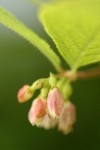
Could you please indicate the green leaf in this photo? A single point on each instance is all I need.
(10, 21)
(74, 26)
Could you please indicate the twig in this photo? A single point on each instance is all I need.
(88, 73)
(80, 74)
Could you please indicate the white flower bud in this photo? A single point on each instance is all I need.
(67, 118)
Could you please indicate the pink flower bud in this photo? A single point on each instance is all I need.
(24, 94)
(40, 107)
(37, 111)
(55, 103)
(67, 118)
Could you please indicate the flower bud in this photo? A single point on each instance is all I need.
(55, 103)
(47, 122)
(67, 118)
(24, 94)
(40, 108)
(37, 111)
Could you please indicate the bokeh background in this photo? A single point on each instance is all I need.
(21, 63)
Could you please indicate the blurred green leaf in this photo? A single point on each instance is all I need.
(11, 22)
(74, 26)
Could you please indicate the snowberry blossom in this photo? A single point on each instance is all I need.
(37, 111)
(24, 94)
(55, 103)
(67, 118)
(49, 109)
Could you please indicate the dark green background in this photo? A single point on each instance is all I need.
(21, 63)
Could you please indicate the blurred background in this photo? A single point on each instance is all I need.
(21, 63)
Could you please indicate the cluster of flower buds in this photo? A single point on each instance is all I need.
(50, 108)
